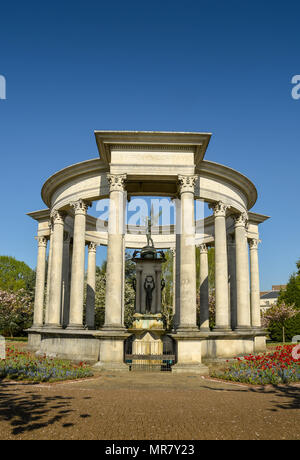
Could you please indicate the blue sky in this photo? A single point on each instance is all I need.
(216, 66)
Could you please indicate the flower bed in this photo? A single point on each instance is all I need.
(267, 368)
(21, 365)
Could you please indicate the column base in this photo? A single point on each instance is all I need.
(52, 326)
(187, 328)
(36, 325)
(189, 352)
(222, 329)
(76, 327)
(112, 349)
(243, 329)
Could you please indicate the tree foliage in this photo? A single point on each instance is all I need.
(16, 275)
(16, 312)
(291, 295)
(277, 316)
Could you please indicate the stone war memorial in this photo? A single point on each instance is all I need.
(148, 164)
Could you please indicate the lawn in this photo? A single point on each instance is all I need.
(275, 367)
(22, 365)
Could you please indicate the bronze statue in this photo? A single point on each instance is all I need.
(149, 287)
(148, 234)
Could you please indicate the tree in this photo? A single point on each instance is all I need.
(278, 314)
(16, 275)
(16, 312)
(291, 295)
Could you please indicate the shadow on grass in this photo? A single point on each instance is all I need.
(26, 410)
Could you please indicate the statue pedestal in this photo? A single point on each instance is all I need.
(148, 330)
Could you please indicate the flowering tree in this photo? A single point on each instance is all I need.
(16, 311)
(278, 314)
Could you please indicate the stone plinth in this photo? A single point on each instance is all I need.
(148, 331)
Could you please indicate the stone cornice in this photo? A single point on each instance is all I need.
(230, 176)
(107, 140)
(83, 169)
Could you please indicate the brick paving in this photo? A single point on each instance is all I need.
(155, 406)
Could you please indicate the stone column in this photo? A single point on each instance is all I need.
(54, 310)
(78, 268)
(173, 251)
(114, 268)
(255, 289)
(188, 310)
(242, 273)
(232, 281)
(113, 333)
(91, 286)
(49, 272)
(65, 303)
(221, 268)
(204, 293)
(40, 282)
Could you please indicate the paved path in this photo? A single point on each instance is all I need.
(148, 406)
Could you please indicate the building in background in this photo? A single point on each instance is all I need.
(269, 298)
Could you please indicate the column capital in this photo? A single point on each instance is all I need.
(253, 243)
(42, 241)
(219, 208)
(80, 206)
(92, 247)
(241, 220)
(116, 182)
(186, 183)
(203, 248)
(57, 217)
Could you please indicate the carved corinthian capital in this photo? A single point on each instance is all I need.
(219, 209)
(116, 182)
(253, 243)
(186, 184)
(203, 248)
(57, 217)
(92, 247)
(241, 220)
(80, 206)
(42, 241)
